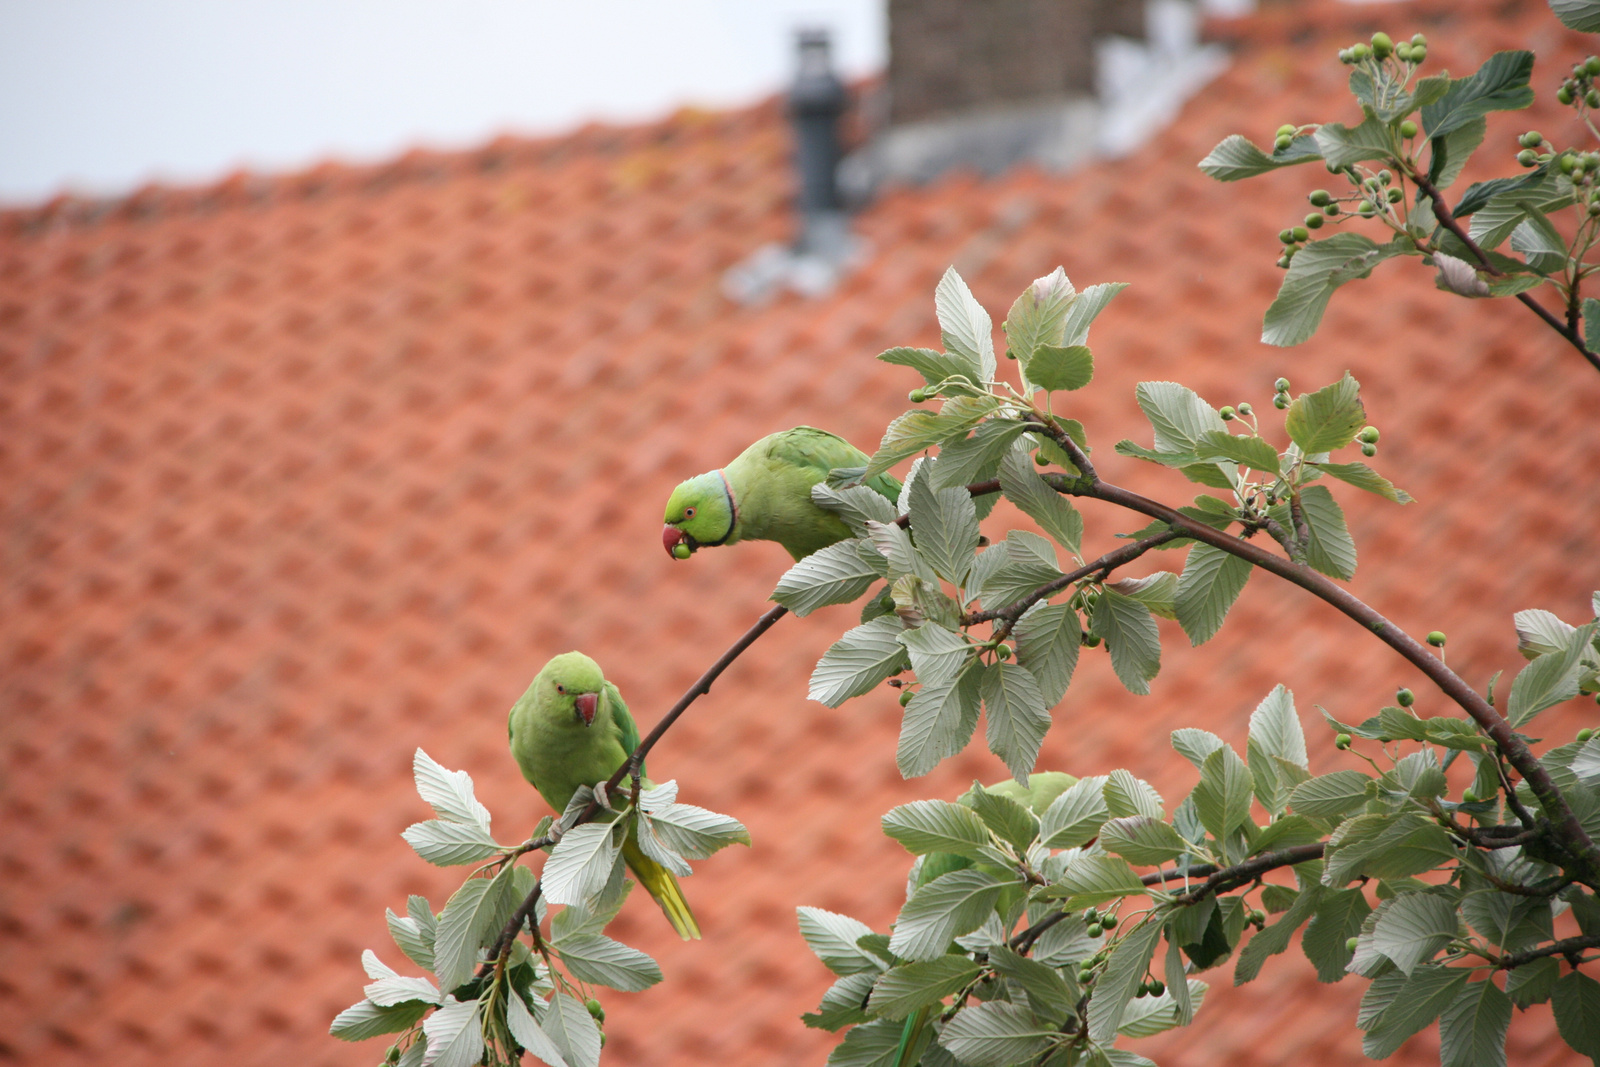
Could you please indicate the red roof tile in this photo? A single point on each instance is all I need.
(302, 473)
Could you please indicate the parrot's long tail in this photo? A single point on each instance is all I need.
(663, 886)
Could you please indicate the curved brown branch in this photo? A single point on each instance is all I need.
(1572, 948)
(1584, 856)
(1448, 220)
(1104, 565)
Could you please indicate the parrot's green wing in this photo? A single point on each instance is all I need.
(771, 483)
(821, 451)
(625, 724)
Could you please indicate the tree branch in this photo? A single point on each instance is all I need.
(1448, 220)
(1104, 565)
(1570, 947)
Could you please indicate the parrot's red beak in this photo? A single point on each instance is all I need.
(671, 538)
(586, 703)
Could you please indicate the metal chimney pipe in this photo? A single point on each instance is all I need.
(816, 103)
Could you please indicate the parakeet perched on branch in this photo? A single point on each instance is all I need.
(765, 495)
(572, 729)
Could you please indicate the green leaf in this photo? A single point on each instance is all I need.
(859, 661)
(924, 826)
(1181, 419)
(1413, 1003)
(1414, 930)
(1157, 592)
(447, 844)
(1287, 832)
(1315, 272)
(1184, 999)
(580, 865)
(965, 326)
(833, 938)
(1327, 419)
(474, 913)
(935, 367)
(1211, 582)
(1501, 84)
(1508, 209)
(1049, 994)
(1338, 919)
(448, 792)
(1130, 957)
(1276, 739)
(1344, 146)
(1331, 549)
(574, 1031)
(1075, 817)
(1449, 154)
(1039, 315)
(841, 1004)
(1222, 798)
(529, 1034)
(1146, 1016)
(1533, 982)
(1033, 495)
(876, 1044)
(1126, 795)
(1385, 846)
(1236, 158)
(1540, 632)
(1049, 639)
(1009, 819)
(393, 989)
(833, 575)
(1083, 311)
(1576, 1003)
(690, 830)
(1056, 367)
(1253, 452)
(1472, 1030)
(1016, 714)
(1131, 637)
(918, 429)
(945, 908)
(1275, 938)
(996, 1034)
(937, 655)
(895, 544)
(1142, 840)
(946, 528)
(938, 722)
(414, 939)
(594, 958)
(1090, 880)
(1591, 324)
(963, 461)
(1548, 680)
(856, 505)
(365, 1019)
(1195, 745)
(902, 990)
(1364, 477)
(1580, 15)
(455, 1034)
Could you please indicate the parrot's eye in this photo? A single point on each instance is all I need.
(688, 513)
(561, 689)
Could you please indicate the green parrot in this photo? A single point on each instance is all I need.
(765, 495)
(571, 729)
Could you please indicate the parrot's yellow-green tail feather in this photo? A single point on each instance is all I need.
(663, 887)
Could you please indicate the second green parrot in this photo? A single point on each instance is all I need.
(765, 495)
(572, 729)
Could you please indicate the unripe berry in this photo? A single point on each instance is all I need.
(1342, 742)
(1566, 162)
(1245, 409)
(1094, 930)
(1382, 45)
(1157, 987)
(1350, 945)
(1283, 262)
(1469, 795)
(1358, 52)
(1281, 385)
(1592, 98)
(1591, 66)
(1227, 413)
(1109, 922)
(1406, 697)
(1320, 198)
(917, 396)
(1041, 459)
(1366, 207)
(1436, 638)
(1528, 157)
(1301, 233)
(1584, 735)
(1283, 142)
(1369, 435)
(596, 1010)
(1286, 130)
(1286, 236)
(1385, 177)
(1314, 221)
(1394, 196)
(1531, 139)
(1280, 401)
(1408, 129)
(1091, 641)
(1331, 210)
(681, 551)
(1564, 95)
(1003, 651)
(1402, 51)
(1345, 57)
(1141, 992)
(1369, 450)
(1090, 915)
(905, 698)
(1418, 39)
(1418, 53)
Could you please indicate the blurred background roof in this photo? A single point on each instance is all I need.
(304, 471)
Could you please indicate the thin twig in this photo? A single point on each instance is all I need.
(1244, 873)
(1571, 948)
(1103, 566)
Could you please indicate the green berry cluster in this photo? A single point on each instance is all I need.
(1285, 136)
(1382, 47)
(1369, 440)
(1580, 86)
(1280, 393)
(1152, 987)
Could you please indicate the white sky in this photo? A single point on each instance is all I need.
(99, 96)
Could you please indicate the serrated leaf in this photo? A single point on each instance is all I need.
(1195, 744)
(455, 1036)
(1013, 569)
(1364, 477)
(1146, 1016)
(1155, 591)
(1414, 1002)
(902, 990)
(1275, 938)
(859, 661)
(935, 367)
(1252, 452)
(1548, 680)
(1038, 316)
(1591, 324)
(595, 958)
(965, 460)
(1327, 419)
(1576, 1003)
(691, 831)
(1181, 419)
(448, 792)
(1049, 639)
(842, 1003)
(1339, 916)
(1472, 1030)
(1016, 716)
(1449, 154)
(1126, 795)
(1501, 84)
(569, 1024)
(856, 505)
(1131, 637)
(1414, 929)
(415, 940)
(1222, 799)
(398, 989)
(448, 844)
(964, 325)
(1033, 495)
(1344, 146)
(938, 722)
(1236, 158)
(581, 864)
(1211, 582)
(1061, 367)
(946, 528)
(1330, 549)
(996, 1034)
(474, 913)
(919, 429)
(1540, 632)
(1315, 272)
(527, 1032)
(924, 826)
(1385, 846)
(833, 575)
(1008, 819)
(833, 938)
(365, 1019)
(1049, 993)
(1330, 796)
(947, 907)
(894, 543)
(937, 655)
(1125, 970)
(1142, 840)
(1089, 880)
(1534, 982)
(1075, 817)
(1081, 313)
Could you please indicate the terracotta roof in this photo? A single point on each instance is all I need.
(302, 473)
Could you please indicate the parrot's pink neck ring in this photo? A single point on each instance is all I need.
(733, 505)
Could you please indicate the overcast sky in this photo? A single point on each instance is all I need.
(99, 96)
